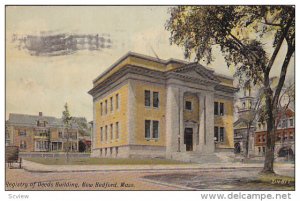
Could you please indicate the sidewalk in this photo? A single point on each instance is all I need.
(36, 167)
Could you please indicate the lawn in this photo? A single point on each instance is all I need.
(103, 161)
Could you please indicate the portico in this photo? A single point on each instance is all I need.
(189, 131)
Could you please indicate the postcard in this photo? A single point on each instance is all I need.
(150, 98)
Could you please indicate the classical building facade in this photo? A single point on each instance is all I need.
(285, 135)
(38, 133)
(149, 107)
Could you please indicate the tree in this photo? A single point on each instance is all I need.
(240, 32)
(67, 121)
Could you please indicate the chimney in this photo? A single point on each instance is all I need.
(40, 114)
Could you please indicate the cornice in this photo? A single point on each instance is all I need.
(206, 77)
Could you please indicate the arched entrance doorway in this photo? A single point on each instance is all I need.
(285, 152)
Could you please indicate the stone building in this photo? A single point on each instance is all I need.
(149, 107)
(38, 133)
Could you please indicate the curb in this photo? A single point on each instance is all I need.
(138, 170)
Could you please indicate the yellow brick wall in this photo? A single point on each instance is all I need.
(226, 121)
(149, 113)
(194, 114)
(119, 115)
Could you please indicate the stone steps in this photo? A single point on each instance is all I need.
(198, 158)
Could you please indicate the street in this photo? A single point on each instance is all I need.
(214, 179)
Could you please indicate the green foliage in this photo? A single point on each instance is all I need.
(238, 30)
(83, 126)
(66, 117)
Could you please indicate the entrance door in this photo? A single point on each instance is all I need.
(188, 139)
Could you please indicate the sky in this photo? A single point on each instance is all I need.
(44, 83)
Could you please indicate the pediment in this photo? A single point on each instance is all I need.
(196, 71)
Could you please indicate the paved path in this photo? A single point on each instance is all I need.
(36, 167)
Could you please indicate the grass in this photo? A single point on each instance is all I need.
(103, 161)
(288, 183)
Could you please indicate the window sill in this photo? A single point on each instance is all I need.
(152, 139)
(187, 110)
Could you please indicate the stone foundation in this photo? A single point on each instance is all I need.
(130, 151)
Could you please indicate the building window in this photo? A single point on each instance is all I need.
(101, 109)
(216, 131)
(147, 98)
(222, 134)
(216, 108)
(278, 138)
(101, 134)
(259, 126)
(155, 129)
(117, 130)
(222, 109)
(60, 135)
(106, 134)
(259, 149)
(105, 106)
(147, 129)
(22, 132)
(188, 105)
(111, 104)
(117, 151)
(111, 131)
(244, 105)
(155, 99)
(117, 101)
(23, 144)
(264, 149)
(219, 133)
(284, 123)
(291, 122)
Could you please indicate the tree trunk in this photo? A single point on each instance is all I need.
(270, 144)
(247, 141)
(68, 146)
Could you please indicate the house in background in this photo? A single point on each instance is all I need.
(149, 107)
(285, 135)
(38, 133)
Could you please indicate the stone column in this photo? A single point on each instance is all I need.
(206, 123)
(172, 120)
(209, 124)
(202, 123)
(181, 121)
